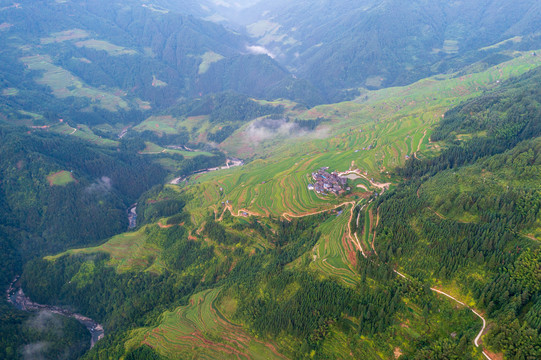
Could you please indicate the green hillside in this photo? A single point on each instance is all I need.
(248, 262)
(343, 45)
(112, 56)
(169, 170)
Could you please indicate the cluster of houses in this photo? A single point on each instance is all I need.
(328, 182)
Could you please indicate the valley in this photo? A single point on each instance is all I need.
(287, 180)
(17, 298)
(277, 187)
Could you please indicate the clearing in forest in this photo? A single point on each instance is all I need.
(60, 178)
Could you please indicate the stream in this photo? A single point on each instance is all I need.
(228, 165)
(132, 216)
(15, 296)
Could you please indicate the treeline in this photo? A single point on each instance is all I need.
(275, 301)
(218, 233)
(200, 162)
(38, 218)
(227, 108)
(510, 112)
(460, 215)
(220, 135)
(428, 247)
(123, 301)
(90, 285)
(181, 138)
(311, 124)
(131, 299)
(90, 208)
(499, 122)
(307, 312)
(41, 335)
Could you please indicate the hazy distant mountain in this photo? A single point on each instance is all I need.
(376, 43)
(128, 52)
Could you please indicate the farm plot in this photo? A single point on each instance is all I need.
(128, 251)
(207, 60)
(60, 178)
(158, 124)
(111, 49)
(334, 254)
(202, 330)
(58, 37)
(384, 129)
(279, 186)
(266, 187)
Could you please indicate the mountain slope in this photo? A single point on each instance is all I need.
(374, 43)
(122, 55)
(249, 262)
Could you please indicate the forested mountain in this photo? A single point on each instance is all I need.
(66, 190)
(157, 164)
(466, 218)
(59, 192)
(378, 43)
(473, 206)
(116, 55)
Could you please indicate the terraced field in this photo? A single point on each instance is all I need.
(412, 108)
(367, 222)
(371, 135)
(254, 188)
(334, 254)
(279, 185)
(83, 132)
(376, 133)
(201, 330)
(128, 251)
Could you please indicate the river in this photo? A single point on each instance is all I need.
(228, 165)
(16, 297)
(132, 216)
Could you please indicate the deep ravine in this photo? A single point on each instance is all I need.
(15, 296)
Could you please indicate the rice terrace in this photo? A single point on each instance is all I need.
(270, 180)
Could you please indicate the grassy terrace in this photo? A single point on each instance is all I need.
(60, 178)
(201, 328)
(395, 122)
(128, 251)
(334, 254)
(64, 84)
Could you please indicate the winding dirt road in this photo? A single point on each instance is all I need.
(357, 244)
(288, 215)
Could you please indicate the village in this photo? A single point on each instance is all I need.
(328, 182)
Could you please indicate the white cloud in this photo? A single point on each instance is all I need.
(259, 50)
